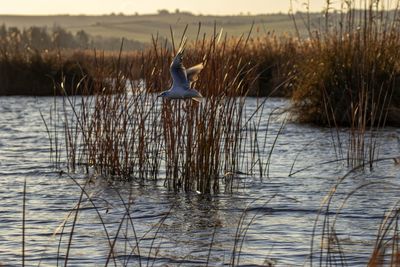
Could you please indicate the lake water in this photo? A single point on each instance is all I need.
(190, 229)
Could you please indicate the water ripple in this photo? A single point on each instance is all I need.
(176, 229)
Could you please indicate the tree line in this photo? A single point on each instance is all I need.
(43, 38)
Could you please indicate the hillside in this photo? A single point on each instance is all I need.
(141, 27)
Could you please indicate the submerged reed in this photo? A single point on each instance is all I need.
(124, 245)
(330, 250)
(119, 242)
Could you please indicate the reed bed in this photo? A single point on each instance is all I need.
(30, 72)
(30, 67)
(349, 76)
(124, 131)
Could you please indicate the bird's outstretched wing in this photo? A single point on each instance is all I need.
(178, 72)
(193, 72)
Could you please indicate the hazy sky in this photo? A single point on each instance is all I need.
(39, 7)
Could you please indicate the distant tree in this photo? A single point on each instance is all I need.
(3, 37)
(3, 31)
(163, 12)
(14, 37)
(186, 13)
(82, 39)
(40, 39)
(13, 32)
(37, 38)
(63, 39)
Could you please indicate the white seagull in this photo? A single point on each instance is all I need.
(181, 80)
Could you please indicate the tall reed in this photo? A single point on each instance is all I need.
(123, 130)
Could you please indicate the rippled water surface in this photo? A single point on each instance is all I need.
(190, 229)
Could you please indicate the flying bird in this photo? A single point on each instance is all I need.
(182, 79)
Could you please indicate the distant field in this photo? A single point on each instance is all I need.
(141, 27)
